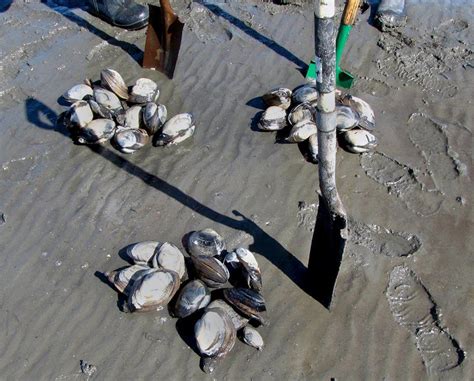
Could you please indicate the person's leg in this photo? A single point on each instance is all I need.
(122, 13)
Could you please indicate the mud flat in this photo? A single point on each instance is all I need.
(403, 306)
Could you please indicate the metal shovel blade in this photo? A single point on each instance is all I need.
(163, 39)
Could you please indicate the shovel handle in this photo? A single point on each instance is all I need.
(350, 12)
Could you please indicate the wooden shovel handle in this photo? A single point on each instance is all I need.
(350, 12)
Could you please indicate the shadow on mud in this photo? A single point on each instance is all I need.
(65, 9)
(43, 117)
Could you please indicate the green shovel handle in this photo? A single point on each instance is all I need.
(342, 37)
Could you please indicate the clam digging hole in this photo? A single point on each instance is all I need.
(413, 308)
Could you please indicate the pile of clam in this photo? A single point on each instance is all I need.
(129, 117)
(296, 112)
(218, 291)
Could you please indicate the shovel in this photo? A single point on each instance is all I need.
(163, 39)
(344, 79)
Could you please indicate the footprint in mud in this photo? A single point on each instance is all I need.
(383, 241)
(400, 180)
(413, 308)
(441, 160)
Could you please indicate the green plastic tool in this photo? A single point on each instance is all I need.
(344, 79)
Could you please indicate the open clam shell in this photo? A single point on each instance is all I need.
(211, 271)
(252, 337)
(142, 252)
(346, 118)
(78, 92)
(249, 263)
(367, 115)
(96, 132)
(130, 140)
(302, 131)
(248, 302)
(273, 119)
(358, 141)
(192, 297)
(280, 97)
(107, 99)
(205, 242)
(169, 257)
(303, 111)
(145, 90)
(154, 117)
(238, 320)
(113, 81)
(215, 334)
(122, 279)
(305, 93)
(175, 130)
(153, 290)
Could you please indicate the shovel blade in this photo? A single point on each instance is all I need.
(344, 79)
(327, 249)
(163, 39)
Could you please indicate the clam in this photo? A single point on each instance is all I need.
(80, 114)
(273, 119)
(367, 116)
(113, 81)
(177, 129)
(169, 257)
(154, 117)
(121, 279)
(232, 261)
(78, 92)
(205, 242)
(302, 131)
(346, 118)
(305, 93)
(280, 97)
(248, 302)
(101, 111)
(145, 90)
(253, 275)
(142, 252)
(130, 140)
(251, 337)
(107, 99)
(192, 297)
(358, 141)
(95, 132)
(215, 334)
(131, 118)
(238, 320)
(211, 271)
(303, 111)
(153, 290)
(313, 148)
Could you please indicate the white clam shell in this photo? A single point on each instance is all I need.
(238, 320)
(175, 130)
(302, 131)
(78, 92)
(192, 297)
(303, 111)
(133, 117)
(107, 99)
(97, 131)
(205, 242)
(130, 140)
(169, 257)
(305, 93)
(145, 90)
(273, 119)
(313, 147)
(358, 141)
(367, 115)
(142, 252)
(153, 290)
(346, 118)
(80, 114)
(121, 279)
(252, 337)
(215, 334)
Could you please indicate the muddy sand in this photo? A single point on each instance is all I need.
(403, 307)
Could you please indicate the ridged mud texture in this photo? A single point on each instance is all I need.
(414, 309)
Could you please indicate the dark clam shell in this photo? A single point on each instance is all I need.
(278, 97)
(192, 297)
(211, 271)
(205, 242)
(248, 302)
